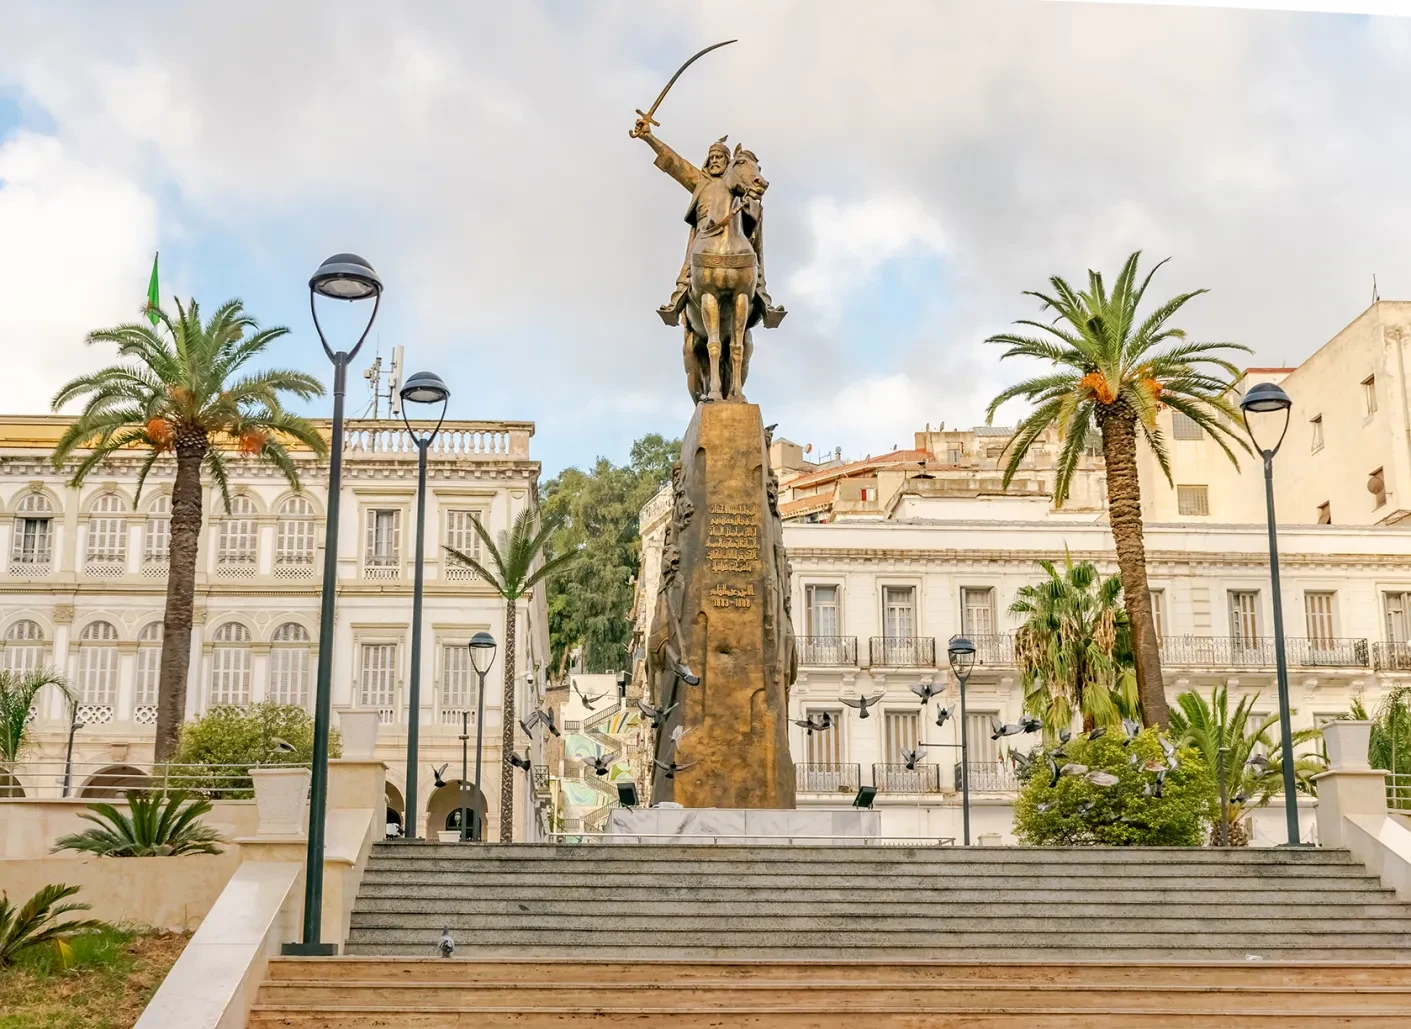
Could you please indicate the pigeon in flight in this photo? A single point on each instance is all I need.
(925, 690)
(1098, 733)
(1239, 798)
(1073, 769)
(1054, 773)
(520, 762)
(1023, 763)
(283, 746)
(671, 767)
(942, 714)
(655, 714)
(1030, 723)
(676, 735)
(817, 721)
(861, 704)
(690, 678)
(1100, 778)
(1084, 806)
(1064, 736)
(446, 946)
(544, 718)
(1258, 762)
(588, 701)
(912, 756)
(1155, 790)
(998, 728)
(599, 761)
(1169, 749)
(1131, 730)
(1045, 807)
(437, 773)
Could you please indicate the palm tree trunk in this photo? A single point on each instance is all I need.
(507, 739)
(1124, 508)
(181, 590)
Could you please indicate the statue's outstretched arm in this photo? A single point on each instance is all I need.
(668, 160)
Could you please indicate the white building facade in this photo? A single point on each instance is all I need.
(84, 585)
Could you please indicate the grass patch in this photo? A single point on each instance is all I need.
(113, 976)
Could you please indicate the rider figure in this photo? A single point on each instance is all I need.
(695, 179)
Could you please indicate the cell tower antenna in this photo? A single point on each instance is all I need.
(373, 375)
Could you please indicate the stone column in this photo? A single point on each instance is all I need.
(1350, 786)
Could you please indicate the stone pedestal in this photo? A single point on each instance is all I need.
(1350, 786)
(281, 800)
(722, 609)
(817, 828)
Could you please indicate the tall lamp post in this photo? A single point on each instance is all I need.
(482, 656)
(962, 659)
(341, 277)
(421, 388)
(1268, 398)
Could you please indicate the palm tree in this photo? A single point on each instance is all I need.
(1211, 726)
(1074, 649)
(184, 392)
(36, 923)
(17, 693)
(519, 562)
(1113, 373)
(155, 825)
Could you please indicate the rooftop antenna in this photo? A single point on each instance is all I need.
(373, 375)
(394, 381)
(1375, 295)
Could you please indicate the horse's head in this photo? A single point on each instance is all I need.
(743, 174)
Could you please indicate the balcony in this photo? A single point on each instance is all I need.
(902, 652)
(898, 778)
(996, 651)
(457, 439)
(1391, 657)
(989, 777)
(827, 778)
(828, 651)
(1259, 652)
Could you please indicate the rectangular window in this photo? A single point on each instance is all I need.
(898, 611)
(825, 748)
(1244, 607)
(821, 610)
(230, 676)
(867, 494)
(1369, 393)
(983, 750)
(461, 536)
(902, 730)
(289, 675)
(98, 676)
(1398, 617)
(239, 535)
(1193, 500)
(977, 611)
(1158, 613)
(381, 557)
(955, 455)
(1183, 426)
(34, 541)
(1317, 426)
(1318, 611)
(1325, 513)
(1377, 486)
(377, 678)
(457, 675)
(149, 665)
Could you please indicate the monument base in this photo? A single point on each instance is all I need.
(854, 827)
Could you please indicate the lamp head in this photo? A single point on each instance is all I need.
(425, 388)
(962, 656)
(482, 651)
(1265, 397)
(345, 277)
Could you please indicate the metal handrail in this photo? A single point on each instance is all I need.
(45, 779)
(897, 778)
(1261, 651)
(989, 777)
(902, 651)
(754, 839)
(827, 651)
(1391, 657)
(826, 777)
(994, 649)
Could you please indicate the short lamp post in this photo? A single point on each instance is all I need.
(962, 660)
(421, 388)
(482, 656)
(341, 277)
(1267, 398)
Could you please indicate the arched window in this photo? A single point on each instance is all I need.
(107, 536)
(238, 549)
(230, 665)
(24, 647)
(149, 666)
(97, 672)
(289, 661)
(32, 549)
(294, 539)
(156, 541)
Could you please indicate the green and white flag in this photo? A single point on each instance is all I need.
(154, 298)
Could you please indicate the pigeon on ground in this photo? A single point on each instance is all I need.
(942, 714)
(437, 773)
(599, 761)
(1131, 729)
(817, 721)
(654, 714)
(446, 946)
(588, 701)
(1100, 778)
(520, 762)
(1098, 733)
(925, 690)
(861, 704)
(912, 756)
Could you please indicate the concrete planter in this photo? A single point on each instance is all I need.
(1347, 743)
(359, 731)
(281, 800)
(449, 835)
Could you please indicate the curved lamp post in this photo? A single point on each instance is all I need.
(962, 660)
(482, 656)
(421, 388)
(341, 277)
(1267, 399)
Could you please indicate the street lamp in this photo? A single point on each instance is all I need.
(482, 656)
(1267, 398)
(341, 277)
(421, 388)
(962, 659)
(74, 726)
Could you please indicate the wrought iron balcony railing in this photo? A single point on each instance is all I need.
(826, 777)
(897, 778)
(994, 650)
(1260, 652)
(989, 777)
(902, 651)
(1391, 657)
(827, 650)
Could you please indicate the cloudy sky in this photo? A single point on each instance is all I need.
(928, 161)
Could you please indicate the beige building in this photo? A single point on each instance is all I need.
(84, 582)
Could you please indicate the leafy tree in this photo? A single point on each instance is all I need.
(590, 605)
(17, 693)
(36, 923)
(186, 392)
(1209, 726)
(1080, 812)
(231, 739)
(155, 825)
(519, 559)
(1074, 649)
(1390, 745)
(1113, 371)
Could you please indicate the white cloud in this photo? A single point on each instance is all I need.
(76, 247)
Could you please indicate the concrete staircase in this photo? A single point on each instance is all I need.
(687, 936)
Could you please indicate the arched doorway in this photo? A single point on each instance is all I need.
(114, 781)
(443, 809)
(396, 825)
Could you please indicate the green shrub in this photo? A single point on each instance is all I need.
(37, 924)
(1121, 815)
(238, 737)
(155, 825)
